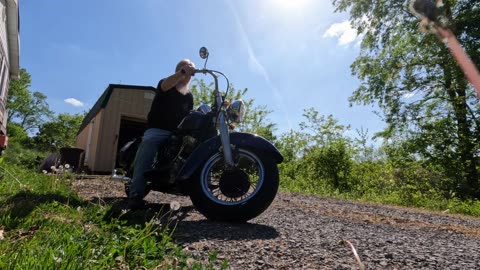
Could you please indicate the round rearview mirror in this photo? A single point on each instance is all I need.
(204, 53)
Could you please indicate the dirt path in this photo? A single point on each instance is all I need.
(309, 232)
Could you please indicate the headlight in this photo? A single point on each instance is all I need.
(236, 111)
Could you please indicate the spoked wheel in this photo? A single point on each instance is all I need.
(235, 194)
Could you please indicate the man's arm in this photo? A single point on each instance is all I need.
(173, 80)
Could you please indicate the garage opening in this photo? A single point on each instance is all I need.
(129, 129)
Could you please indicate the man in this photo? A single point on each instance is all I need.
(173, 100)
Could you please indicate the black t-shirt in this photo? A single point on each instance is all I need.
(169, 108)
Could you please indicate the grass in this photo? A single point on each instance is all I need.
(406, 198)
(45, 225)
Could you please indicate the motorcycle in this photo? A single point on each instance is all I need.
(229, 176)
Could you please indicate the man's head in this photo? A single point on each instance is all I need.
(183, 84)
(183, 63)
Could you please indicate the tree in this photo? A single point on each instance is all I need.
(59, 132)
(256, 117)
(322, 130)
(418, 85)
(328, 155)
(16, 132)
(25, 108)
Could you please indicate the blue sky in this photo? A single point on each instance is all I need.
(290, 54)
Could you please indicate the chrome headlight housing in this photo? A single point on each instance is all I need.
(236, 111)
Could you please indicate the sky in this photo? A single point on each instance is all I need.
(290, 54)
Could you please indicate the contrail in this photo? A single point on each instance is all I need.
(259, 67)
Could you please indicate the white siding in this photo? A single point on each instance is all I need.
(3, 29)
(8, 68)
(4, 70)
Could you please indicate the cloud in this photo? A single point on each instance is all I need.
(74, 102)
(343, 31)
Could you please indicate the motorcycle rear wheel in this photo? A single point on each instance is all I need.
(238, 194)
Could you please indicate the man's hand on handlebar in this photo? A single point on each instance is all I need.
(188, 70)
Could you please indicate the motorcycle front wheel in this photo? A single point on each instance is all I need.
(235, 194)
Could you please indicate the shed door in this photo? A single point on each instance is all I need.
(129, 130)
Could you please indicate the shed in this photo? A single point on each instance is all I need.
(118, 116)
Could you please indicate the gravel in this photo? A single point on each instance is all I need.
(310, 232)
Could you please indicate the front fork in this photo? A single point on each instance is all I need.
(222, 124)
(223, 128)
(225, 138)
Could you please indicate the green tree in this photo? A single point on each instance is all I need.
(26, 108)
(256, 117)
(291, 144)
(328, 154)
(426, 101)
(322, 130)
(59, 132)
(16, 132)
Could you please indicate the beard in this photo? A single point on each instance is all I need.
(183, 88)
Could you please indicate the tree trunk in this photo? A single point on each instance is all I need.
(469, 185)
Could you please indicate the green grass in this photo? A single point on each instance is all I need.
(408, 198)
(410, 184)
(45, 225)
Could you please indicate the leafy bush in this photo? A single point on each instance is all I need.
(327, 163)
(20, 154)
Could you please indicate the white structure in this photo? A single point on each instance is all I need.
(9, 57)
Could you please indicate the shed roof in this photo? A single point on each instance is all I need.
(103, 101)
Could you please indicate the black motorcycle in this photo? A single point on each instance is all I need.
(229, 176)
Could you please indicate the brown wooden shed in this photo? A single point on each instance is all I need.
(118, 116)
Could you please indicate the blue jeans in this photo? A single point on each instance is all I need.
(152, 139)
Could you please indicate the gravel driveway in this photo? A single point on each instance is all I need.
(311, 232)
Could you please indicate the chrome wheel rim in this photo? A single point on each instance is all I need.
(214, 168)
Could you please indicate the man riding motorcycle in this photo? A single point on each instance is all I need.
(172, 101)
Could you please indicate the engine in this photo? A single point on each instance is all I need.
(188, 146)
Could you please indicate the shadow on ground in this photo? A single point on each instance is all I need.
(20, 205)
(159, 211)
(186, 231)
(193, 231)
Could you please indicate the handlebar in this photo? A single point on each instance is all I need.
(215, 74)
(219, 99)
(204, 71)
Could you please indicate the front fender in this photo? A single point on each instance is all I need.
(212, 146)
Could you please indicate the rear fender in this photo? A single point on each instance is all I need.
(213, 146)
